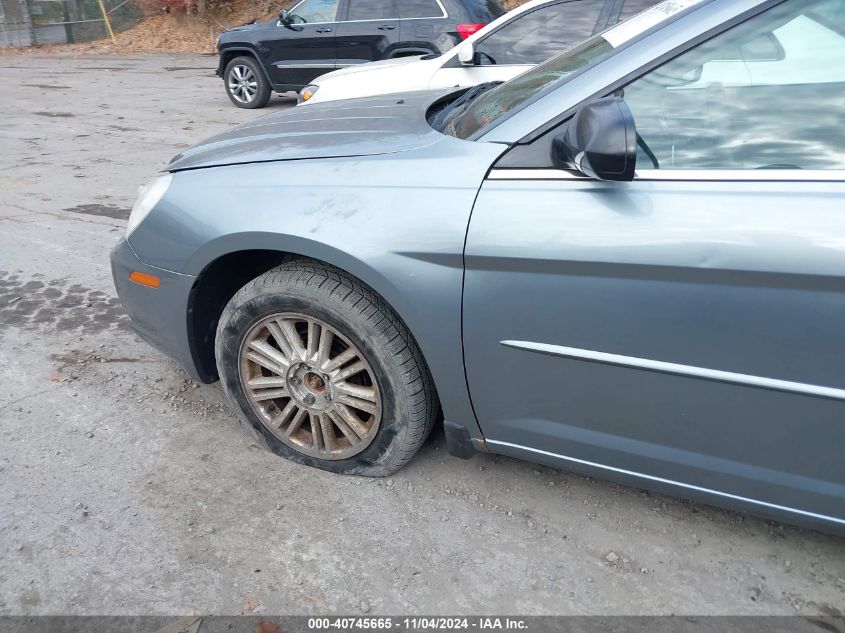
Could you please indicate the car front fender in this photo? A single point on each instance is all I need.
(396, 222)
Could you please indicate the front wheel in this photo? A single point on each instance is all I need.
(324, 371)
(245, 83)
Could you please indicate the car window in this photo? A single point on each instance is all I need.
(512, 95)
(481, 11)
(372, 10)
(537, 35)
(420, 9)
(829, 13)
(310, 11)
(766, 94)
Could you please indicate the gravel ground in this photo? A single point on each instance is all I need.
(127, 489)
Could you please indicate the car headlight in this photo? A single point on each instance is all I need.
(148, 197)
(307, 92)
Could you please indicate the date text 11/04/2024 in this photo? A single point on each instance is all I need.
(418, 623)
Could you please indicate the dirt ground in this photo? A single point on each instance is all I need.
(127, 489)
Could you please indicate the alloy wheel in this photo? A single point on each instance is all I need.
(310, 386)
(243, 84)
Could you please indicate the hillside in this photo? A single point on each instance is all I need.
(170, 27)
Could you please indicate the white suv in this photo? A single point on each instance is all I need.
(503, 49)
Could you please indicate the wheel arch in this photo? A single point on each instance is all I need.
(229, 268)
(410, 51)
(228, 54)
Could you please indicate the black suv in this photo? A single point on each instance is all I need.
(317, 36)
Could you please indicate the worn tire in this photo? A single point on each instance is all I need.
(409, 405)
(262, 96)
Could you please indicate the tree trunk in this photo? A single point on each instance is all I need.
(27, 20)
(66, 18)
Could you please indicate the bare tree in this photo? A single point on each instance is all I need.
(27, 20)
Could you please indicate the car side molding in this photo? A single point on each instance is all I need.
(493, 444)
(691, 371)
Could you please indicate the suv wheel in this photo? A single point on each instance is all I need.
(324, 371)
(245, 83)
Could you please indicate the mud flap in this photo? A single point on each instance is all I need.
(458, 441)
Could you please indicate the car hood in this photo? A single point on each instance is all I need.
(242, 27)
(353, 127)
(361, 68)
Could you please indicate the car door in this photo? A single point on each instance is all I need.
(685, 330)
(304, 46)
(426, 25)
(370, 31)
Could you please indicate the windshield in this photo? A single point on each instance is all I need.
(490, 105)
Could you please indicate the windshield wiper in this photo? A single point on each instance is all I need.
(440, 120)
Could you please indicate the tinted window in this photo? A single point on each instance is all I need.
(767, 94)
(372, 10)
(420, 9)
(477, 11)
(537, 35)
(315, 11)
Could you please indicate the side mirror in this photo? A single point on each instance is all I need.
(284, 16)
(600, 141)
(466, 54)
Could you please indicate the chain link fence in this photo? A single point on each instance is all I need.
(35, 22)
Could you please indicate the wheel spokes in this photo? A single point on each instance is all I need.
(352, 420)
(357, 391)
(266, 382)
(357, 403)
(282, 417)
(243, 84)
(297, 421)
(270, 394)
(310, 387)
(348, 431)
(324, 347)
(268, 357)
(292, 340)
(313, 340)
(341, 359)
(349, 371)
(322, 435)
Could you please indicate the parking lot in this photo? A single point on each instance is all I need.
(125, 488)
